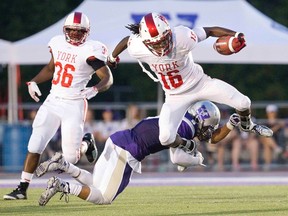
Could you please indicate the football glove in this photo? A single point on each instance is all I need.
(89, 92)
(241, 39)
(33, 90)
(197, 159)
(113, 62)
(234, 121)
(189, 146)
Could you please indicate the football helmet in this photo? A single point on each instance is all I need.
(76, 28)
(207, 116)
(156, 34)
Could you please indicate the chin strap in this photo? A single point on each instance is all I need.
(148, 72)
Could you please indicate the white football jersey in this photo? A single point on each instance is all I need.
(176, 71)
(72, 73)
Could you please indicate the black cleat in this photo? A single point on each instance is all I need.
(17, 194)
(92, 152)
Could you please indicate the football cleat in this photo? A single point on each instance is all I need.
(55, 163)
(260, 130)
(16, 194)
(91, 153)
(54, 185)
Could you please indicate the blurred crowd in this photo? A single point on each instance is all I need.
(239, 151)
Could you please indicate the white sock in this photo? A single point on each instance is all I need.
(26, 177)
(75, 189)
(73, 170)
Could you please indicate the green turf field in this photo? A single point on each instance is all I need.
(164, 200)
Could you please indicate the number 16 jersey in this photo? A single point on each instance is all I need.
(176, 71)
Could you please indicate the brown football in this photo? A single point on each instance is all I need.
(226, 45)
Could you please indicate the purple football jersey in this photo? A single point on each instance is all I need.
(143, 139)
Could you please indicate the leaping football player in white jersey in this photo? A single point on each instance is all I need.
(168, 52)
(73, 62)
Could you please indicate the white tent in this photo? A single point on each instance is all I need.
(267, 41)
(6, 51)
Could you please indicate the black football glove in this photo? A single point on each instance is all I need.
(241, 38)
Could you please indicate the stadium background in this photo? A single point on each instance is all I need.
(263, 83)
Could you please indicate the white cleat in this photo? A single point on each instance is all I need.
(54, 185)
(262, 130)
(55, 163)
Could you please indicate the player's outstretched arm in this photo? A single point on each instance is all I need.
(113, 59)
(223, 131)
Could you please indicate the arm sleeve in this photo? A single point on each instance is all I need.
(200, 32)
(95, 63)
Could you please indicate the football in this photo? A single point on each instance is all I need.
(226, 45)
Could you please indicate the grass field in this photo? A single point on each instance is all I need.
(164, 200)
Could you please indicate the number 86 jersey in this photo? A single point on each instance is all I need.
(72, 73)
(176, 71)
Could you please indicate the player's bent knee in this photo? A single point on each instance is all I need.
(71, 158)
(35, 150)
(97, 197)
(166, 138)
(245, 104)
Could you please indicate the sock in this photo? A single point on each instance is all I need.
(75, 189)
(84, 177)
(73, 170)
(26, 177)
(245, 119)
(25, 180)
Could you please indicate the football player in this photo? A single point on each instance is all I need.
(74, 60)
(124, 151)
(168, 52)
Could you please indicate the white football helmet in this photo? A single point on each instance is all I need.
(76, 28)
(156, 34)
(207, 116)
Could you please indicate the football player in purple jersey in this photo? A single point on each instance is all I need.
(124, 151)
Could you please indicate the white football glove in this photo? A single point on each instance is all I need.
(33, 90)
(234, 121)
(89, 92)
(197, 159)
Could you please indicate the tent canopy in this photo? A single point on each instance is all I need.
(267, 41)
(6, 51)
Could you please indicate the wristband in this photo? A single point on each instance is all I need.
(112, 59)
(237, 34)
(229, 126)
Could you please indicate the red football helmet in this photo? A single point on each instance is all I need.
(76, 28)
(156, 34)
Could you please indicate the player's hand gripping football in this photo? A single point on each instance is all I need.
(33, 90)
(89, 92)
(113, 62)
(234, 121)
(241, 38)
